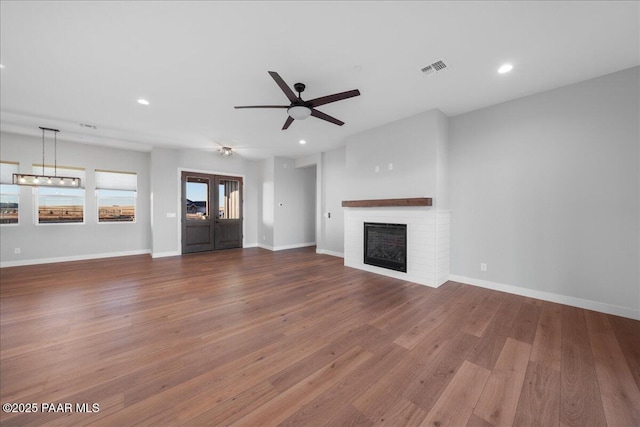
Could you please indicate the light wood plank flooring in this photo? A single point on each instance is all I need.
(255, 338)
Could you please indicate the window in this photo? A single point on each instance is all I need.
(229, 199)
(9, 193)
(60, 205)
(116, 196)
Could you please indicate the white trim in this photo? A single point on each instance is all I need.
(548, 296)
(328, 252)
(285, 247)
(72, 258)
(294, 246)
(165, 254)
(250, 245)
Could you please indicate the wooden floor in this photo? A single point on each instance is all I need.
(256, 338)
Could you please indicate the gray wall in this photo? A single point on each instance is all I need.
(70, 241)
(333, 193)
(294, 195)
(287, 204)
(411, 145)
(266, 203)
(545, 190)
(166, 165)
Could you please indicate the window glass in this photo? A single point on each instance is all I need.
(116, 206)
(9, 193)
(116, 196)
(9, 199)
(60, 205)
(197, 199)
(229, 199)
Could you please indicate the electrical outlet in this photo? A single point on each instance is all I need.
(17, 251)
(390, 166)
(264, 238)
(483, 266)
(377, 169)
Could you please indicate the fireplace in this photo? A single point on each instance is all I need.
(385, 245)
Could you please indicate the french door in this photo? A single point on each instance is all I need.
(211, 212)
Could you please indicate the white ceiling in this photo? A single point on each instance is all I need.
(88, 62)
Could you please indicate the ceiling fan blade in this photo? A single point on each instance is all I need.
(333, 98)
(288, 122)
(262, 106)
(285, 88)
(323, 116)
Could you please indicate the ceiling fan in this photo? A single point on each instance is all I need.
(300, 109)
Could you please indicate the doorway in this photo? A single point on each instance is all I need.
(211, 212)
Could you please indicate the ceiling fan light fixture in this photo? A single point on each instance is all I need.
(299, 112)
(226, 151)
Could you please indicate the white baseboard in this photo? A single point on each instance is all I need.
(328, 252)
(548, 296)
(72, 258)
(165, 254)
(285, 247)
(250, 245)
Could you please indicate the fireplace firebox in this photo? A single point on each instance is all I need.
(385, 245)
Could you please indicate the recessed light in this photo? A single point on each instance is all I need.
(302, 141)
(505, 68)
(142, 101)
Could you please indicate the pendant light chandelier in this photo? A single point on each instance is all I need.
(47, 180)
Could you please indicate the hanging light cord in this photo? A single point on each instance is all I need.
(55, 150)
(55, 154)
(42, 151)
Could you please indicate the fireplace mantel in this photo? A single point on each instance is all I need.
(374, 203)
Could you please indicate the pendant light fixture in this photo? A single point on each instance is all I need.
(47, 180)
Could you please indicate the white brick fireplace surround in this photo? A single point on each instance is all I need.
(427, 241)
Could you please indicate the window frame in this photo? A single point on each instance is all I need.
(15, 166)
(135, 207)
(100, 186)
(71, 171)
(36, 205)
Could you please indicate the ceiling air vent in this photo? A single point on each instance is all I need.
(436, 67)
(86, 125)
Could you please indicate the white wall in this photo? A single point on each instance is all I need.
(546, 191)
(60, 242)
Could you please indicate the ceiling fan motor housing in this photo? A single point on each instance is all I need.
(299, 87)
(300, 109)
